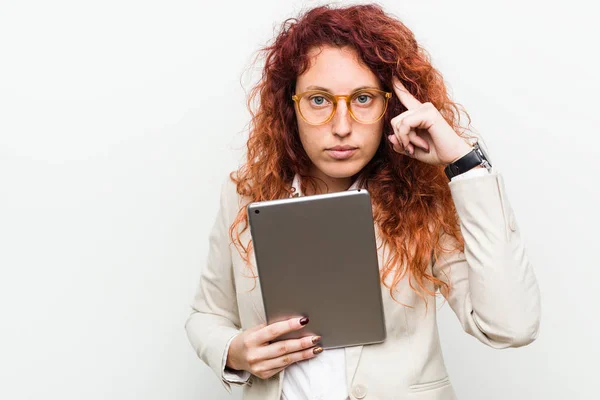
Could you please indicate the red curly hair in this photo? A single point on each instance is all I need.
(412, 203)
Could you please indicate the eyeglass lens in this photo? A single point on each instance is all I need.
(367, 106)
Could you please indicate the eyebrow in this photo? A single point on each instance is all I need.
(312, 87)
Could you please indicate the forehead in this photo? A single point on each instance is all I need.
(337, 69)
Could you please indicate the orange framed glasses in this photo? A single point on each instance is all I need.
(366, 106)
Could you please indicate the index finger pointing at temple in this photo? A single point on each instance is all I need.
(409, 101)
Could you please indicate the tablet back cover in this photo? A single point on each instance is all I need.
(317, 257)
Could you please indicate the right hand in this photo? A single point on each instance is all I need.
(252, 351)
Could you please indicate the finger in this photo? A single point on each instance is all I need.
(283, 347)
(395, 142)
(396, 146)
(418, 140)
(411, 120)
(406, 129)
(269, 373)
(252, 330)
(401, 130)
(401, 135)
(277, 329)
(290, 358)
(256, 327)
(409, 101)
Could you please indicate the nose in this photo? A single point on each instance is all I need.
(342, 120)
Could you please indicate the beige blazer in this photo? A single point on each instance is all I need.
(495, 297)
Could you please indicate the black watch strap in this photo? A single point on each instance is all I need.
(470, 160)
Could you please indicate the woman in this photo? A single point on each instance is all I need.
(349, 99)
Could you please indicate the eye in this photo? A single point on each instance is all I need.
(318, 100)
(363, 98)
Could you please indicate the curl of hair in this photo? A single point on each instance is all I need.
(412, 204)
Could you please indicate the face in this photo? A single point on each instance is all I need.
(341, 73)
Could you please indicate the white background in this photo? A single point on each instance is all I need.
(119, 120)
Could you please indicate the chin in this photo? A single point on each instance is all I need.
(341, 169)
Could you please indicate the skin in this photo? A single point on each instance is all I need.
(340, 71)
(252, 350)
(420, 132)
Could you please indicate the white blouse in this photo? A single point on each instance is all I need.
(322, 377)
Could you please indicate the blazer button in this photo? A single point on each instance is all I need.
(359, 391)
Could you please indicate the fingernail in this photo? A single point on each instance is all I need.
(317, 350)
(427, 150)
(304, 321)
(315, 339)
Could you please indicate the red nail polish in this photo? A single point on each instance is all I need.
(304, 321)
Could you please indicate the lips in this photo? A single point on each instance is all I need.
(342, 148)
(341, 152)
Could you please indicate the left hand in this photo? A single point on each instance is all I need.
(422, 133)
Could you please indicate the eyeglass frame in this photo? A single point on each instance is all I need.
(297, 97)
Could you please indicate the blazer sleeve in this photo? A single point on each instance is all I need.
(214, 317)
(494, 292)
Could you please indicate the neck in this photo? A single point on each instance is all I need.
(327, 184)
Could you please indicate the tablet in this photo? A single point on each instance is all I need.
(317, 257)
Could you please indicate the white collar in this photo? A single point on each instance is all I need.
(297, 192)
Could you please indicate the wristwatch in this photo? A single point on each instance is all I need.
(470, 160)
